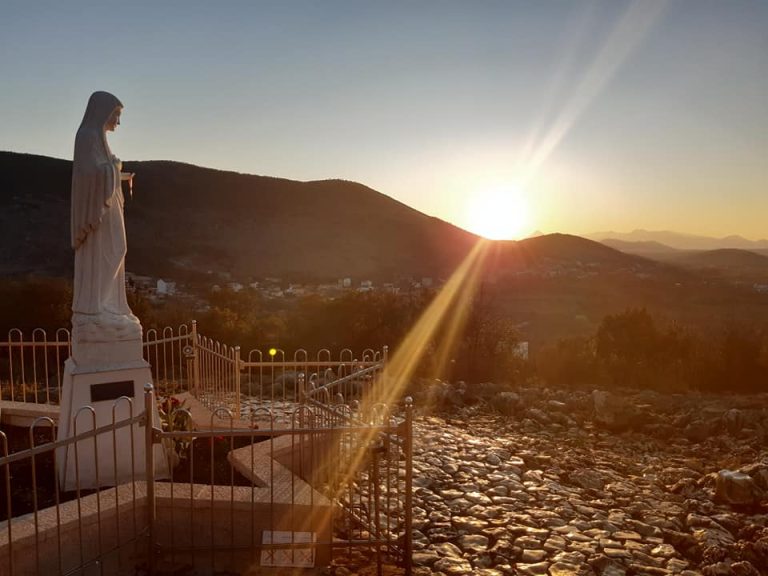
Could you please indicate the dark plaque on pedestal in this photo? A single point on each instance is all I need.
(111, 390)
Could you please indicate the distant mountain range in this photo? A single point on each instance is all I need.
(668, 239)
(648, 249)
(743, 264)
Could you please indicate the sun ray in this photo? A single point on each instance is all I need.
(575, 35)
(453, 299)
(452, 302)
(626, 36)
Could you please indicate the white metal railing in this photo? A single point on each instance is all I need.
(182, 360)
(31, 370)
(217, 368)
(169, 353)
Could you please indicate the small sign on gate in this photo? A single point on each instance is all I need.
(303, 557)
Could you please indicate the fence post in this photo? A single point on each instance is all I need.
(408, 536)
(150, 474)
(301, 389)
(195, 362)
(375, 452)
(382, 380)
(238, 365)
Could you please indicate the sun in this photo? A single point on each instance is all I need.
(499, 213)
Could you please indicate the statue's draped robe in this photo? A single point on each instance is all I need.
(98, 227)
(106, 337)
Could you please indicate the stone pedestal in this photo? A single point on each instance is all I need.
(103, 385)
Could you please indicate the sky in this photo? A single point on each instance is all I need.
(504, 117)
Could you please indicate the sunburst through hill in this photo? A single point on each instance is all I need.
(500, 213)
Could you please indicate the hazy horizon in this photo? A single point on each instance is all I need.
(502, 118)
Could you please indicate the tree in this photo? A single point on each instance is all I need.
(35, 302)
(570, 362)
(736, 361)
(635, 352)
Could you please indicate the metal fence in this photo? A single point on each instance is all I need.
(298, 463)
(293, 495)
(47, 531)
(170, 353)
(31, 370)
(32, 367)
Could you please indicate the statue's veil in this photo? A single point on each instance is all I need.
(93, 175)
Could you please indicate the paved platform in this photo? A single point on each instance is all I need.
(261, 464)
(204, 419)
(280, 498)
(25, 413)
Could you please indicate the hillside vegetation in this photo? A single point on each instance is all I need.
(183, 221)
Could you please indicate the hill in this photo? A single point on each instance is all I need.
(729, 262)
(649, 249)
(568, 248)
(681, 241)
(184, 219)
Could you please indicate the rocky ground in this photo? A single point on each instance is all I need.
(576, 483)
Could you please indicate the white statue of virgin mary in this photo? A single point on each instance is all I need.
(100, 309)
